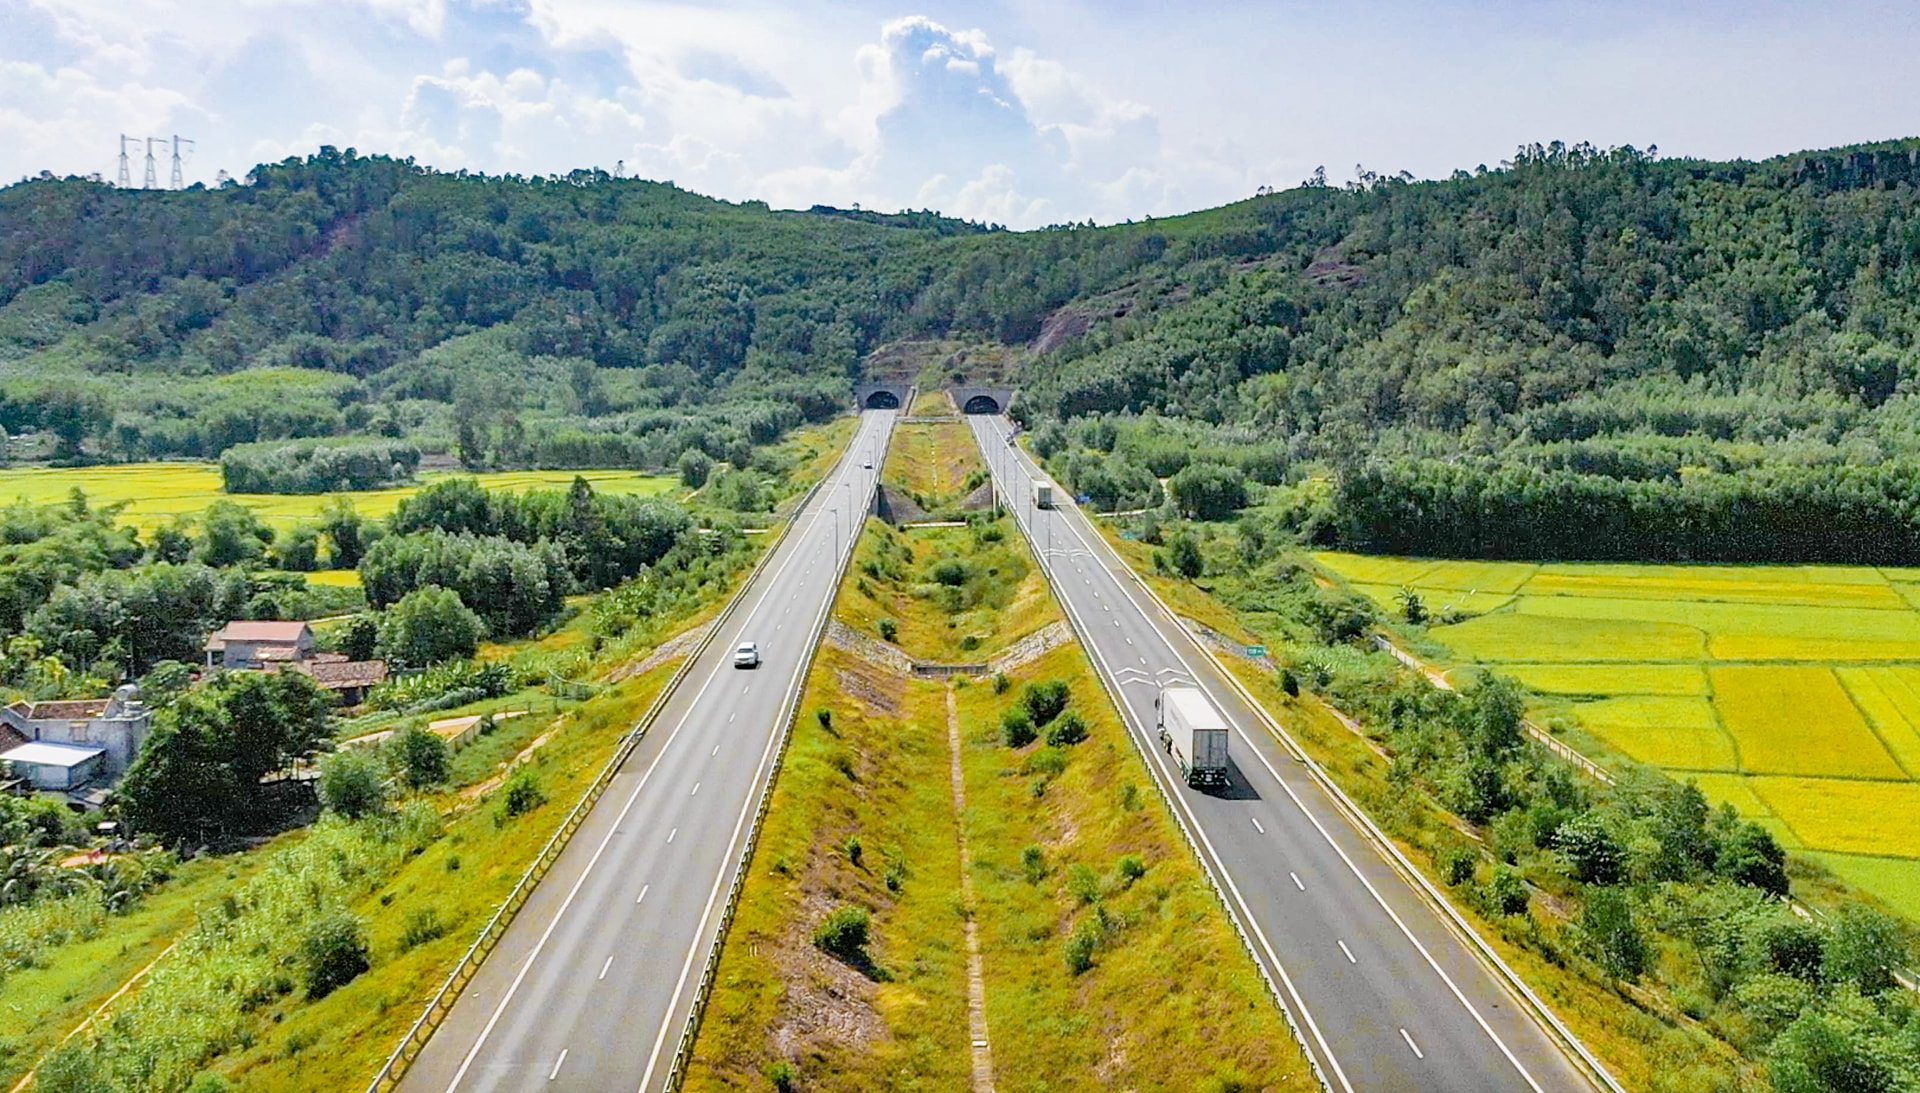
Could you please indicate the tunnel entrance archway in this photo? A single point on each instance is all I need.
(981, 404)
(883, 400)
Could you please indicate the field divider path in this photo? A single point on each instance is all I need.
(442, 1001)
(976, 976)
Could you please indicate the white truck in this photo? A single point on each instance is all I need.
(1194, 734)
(1043, 495)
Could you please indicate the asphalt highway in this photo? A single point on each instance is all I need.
(590, 988)
(1388, 998)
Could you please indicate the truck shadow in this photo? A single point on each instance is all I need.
(1237, 787)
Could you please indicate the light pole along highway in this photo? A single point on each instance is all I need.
(1388, 997)
(591, 987)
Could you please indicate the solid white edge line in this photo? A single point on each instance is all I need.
(1157, 765)
(762, 776)
(466, 1063)
(1174, 648)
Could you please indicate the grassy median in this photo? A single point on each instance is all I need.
(1108, 962)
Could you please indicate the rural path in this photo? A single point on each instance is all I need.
(976, 978)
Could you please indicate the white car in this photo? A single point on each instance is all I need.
(746, 655)
(866, 464)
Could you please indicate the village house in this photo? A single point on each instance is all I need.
(252, 645)
(270, 646)
(66, 746)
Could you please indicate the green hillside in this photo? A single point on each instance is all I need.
(1696, 358)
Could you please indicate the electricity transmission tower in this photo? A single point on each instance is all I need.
(152, 180)
(179, 181)
(126, 170)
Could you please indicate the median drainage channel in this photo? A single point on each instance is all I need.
(950, 894)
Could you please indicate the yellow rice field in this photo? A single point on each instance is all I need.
(157, 492)
(1791, 692)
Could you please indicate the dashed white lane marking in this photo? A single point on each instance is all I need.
(671, 834)
(1296, 881)
(743, 688)
(1129, 641)
(643, 894)
(1417, 1053)
(1256, 824)
(1349, 952)
(557, 1063)
(715, 751)
(731, 716)
(604, 967)
(696, 790)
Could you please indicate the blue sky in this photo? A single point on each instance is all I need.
(1016, 112)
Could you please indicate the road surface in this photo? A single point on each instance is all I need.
(1388, 998)
(590, 988)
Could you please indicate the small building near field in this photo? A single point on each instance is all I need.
(58, 768)
(255, 644)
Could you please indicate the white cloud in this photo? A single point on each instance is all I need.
(1061, 112)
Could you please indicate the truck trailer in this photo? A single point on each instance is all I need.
(1043, 495)
(1194, 733)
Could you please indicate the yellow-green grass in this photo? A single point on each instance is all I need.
(155, 493)
(1896, 880)
(932, 459)
(1017, 604)
(1664, 680)
(1890, 698)
(1512, 635)
(1668, 732)
(1813, 698)
(1846, 815)
(334, 578)
(1797, 720)
(933, 401)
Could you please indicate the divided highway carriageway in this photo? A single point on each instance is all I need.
(1389, 997)
(590, 988)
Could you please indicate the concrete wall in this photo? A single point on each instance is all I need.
(865, 395)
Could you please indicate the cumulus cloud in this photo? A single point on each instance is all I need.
(740, 103)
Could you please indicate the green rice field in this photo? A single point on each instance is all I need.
(157, 492)
(1792, 692)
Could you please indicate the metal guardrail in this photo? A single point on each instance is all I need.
(1186, 832)
(683, 1054)
(401, 1060)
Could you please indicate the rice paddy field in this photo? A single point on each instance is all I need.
(157, 492)
(1791, 691)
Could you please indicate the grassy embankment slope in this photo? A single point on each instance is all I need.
(455, 879)
(862, 814)
(1791, 691)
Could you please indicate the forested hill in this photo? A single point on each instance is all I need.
(1589, 320)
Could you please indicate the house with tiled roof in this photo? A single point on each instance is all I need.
(252, 644)
(350, 679)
